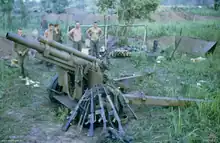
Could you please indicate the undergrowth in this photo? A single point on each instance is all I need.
(21, 106)
(179, 77)
(203, 11)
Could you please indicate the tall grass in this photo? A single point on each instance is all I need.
(204, 11)
(180, 77)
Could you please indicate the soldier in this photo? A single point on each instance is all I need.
(75, 36)
(57, 34)
(94, 33)
(49, 35)
(49, 32)
(20, 52)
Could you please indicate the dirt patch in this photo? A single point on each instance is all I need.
(167, 17)
(51, 133)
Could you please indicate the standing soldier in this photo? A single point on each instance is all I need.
(75, 36)
(49, 32)
(49, 35)
(20, 52)
(94, 34)
(57, 34)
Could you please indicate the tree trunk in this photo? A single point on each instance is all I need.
(123, 30)
(9, 19)
(3, 21)
(23, 14)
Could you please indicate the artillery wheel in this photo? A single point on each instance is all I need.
(53, 86)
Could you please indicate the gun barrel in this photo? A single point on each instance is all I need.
(28, 43)
(37, 46)
(63, 54)
(70, 50)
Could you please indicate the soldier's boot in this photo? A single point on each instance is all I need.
(14, 63)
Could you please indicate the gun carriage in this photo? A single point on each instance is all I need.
(82, 85)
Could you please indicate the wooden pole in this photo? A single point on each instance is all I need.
(145, 36)
(134, 25)
(67, 27)
(176, 45)
(105, 24)
(106, 31)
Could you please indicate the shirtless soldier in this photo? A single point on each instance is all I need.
(20, 52)
(75, 36)
(94, 34)
(49, 32)
(49, 35)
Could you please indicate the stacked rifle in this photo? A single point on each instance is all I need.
(97, 105)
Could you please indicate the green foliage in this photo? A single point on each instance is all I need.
(59, 5)
(62, 113)
(128, 10)
(204, 11)
(6, 5)
(56, 6)
(217, 4)
(45, 4)
(24, 14)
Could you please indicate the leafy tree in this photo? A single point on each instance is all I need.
(128, 11)
(56, 6)
(45, 5)
(6, 8)
(216, 4)
(24, 14)
(59, 5)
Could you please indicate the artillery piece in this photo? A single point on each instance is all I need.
(80, 85)
(83, 87)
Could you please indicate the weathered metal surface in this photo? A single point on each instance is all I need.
(66, 101)
(126, 82)
(56, 61)
(29, 43)
(139, 98)
(188, 45)
(47, 51)
(68, 49)
(127, 78)
(194, 46)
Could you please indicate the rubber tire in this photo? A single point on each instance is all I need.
(53, 85)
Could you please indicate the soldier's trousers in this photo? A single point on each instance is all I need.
(21, 61)
(77, 45)
(94, 48)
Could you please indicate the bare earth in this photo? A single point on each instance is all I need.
(38, 114)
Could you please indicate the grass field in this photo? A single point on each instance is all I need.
(204, 11)
(23, 108)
